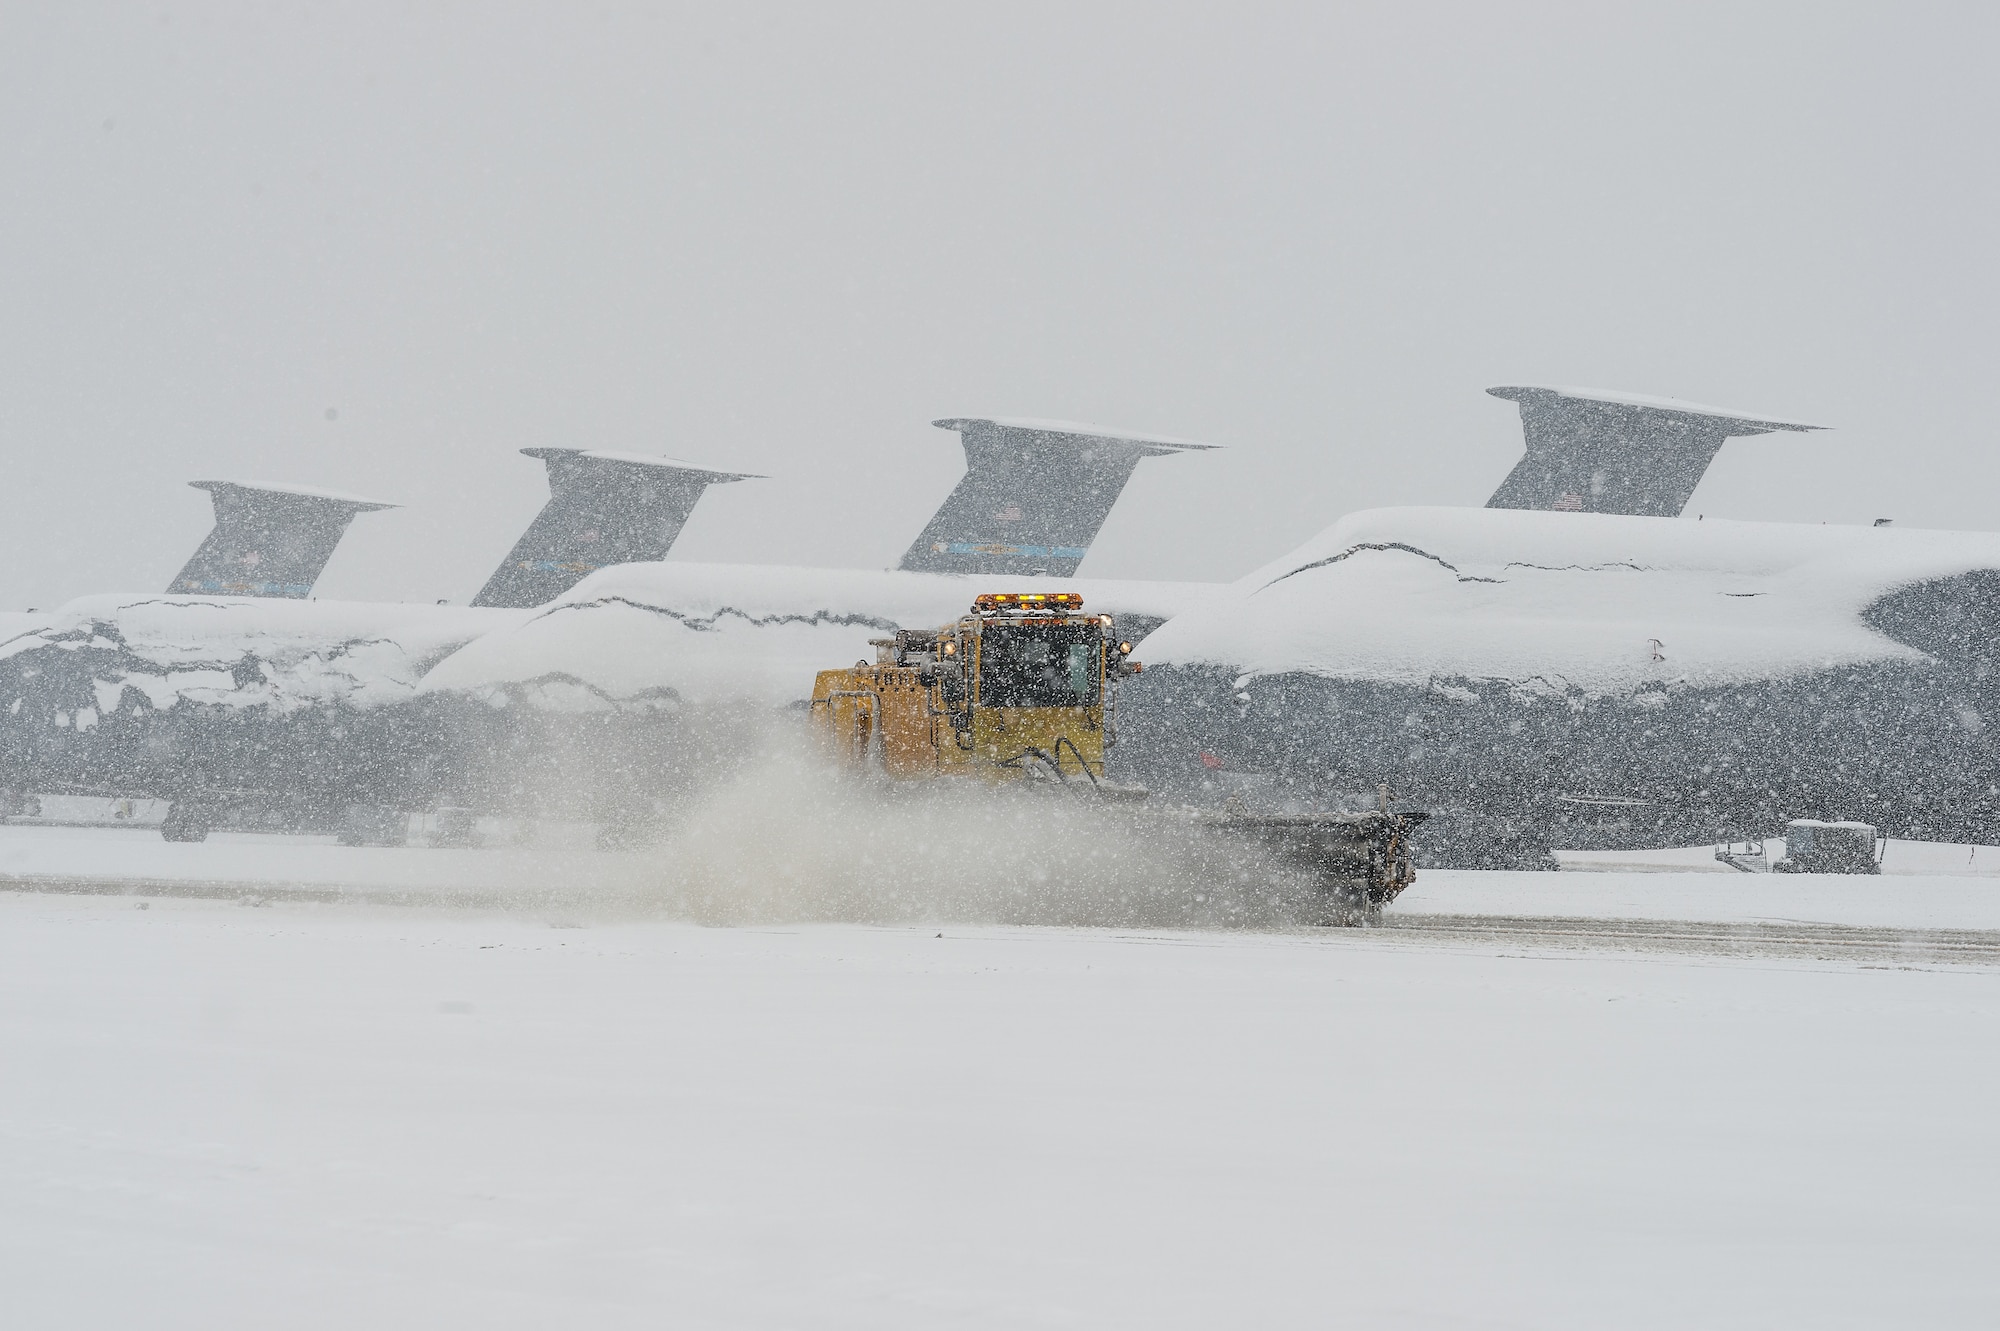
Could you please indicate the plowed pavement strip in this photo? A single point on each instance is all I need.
(1781, 938)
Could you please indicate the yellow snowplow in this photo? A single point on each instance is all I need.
(1022, 686)
(1025, 688)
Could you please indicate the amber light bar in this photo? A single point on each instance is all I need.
(994, 602)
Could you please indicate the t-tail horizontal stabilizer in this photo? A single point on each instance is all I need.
(1033, 495)
(603, 509)
(269, 540)
(1593, 452)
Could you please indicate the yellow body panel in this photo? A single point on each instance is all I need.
(865, 711)
(1072, 737)
(888, 715)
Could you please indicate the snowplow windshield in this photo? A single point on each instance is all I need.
(1041, 665)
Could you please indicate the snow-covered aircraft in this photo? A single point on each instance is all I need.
(415, 706)
(648, 641)
(1508, 676)
(1594, 681)
(747, 632)
(239, 690)
(604, 683)
(212, 700)
(1034, 495)
(268, 541)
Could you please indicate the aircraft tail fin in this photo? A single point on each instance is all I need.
(1033, 496)
(603, 509)
(1597, 452)
(269, 540)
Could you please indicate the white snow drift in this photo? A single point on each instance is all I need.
(1602, 603)
(737, 633)
(252, 652)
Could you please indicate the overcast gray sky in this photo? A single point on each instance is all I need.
(784, 238)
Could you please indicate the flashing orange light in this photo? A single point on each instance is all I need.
(988, 603)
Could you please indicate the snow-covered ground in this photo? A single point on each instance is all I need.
(1683, 884)
(135, 859)
(1852, 901)
(314, 1115)
(552, 1101)
(1899, 858)
(1924, 887)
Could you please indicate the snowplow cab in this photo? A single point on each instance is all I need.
(1022, 687)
